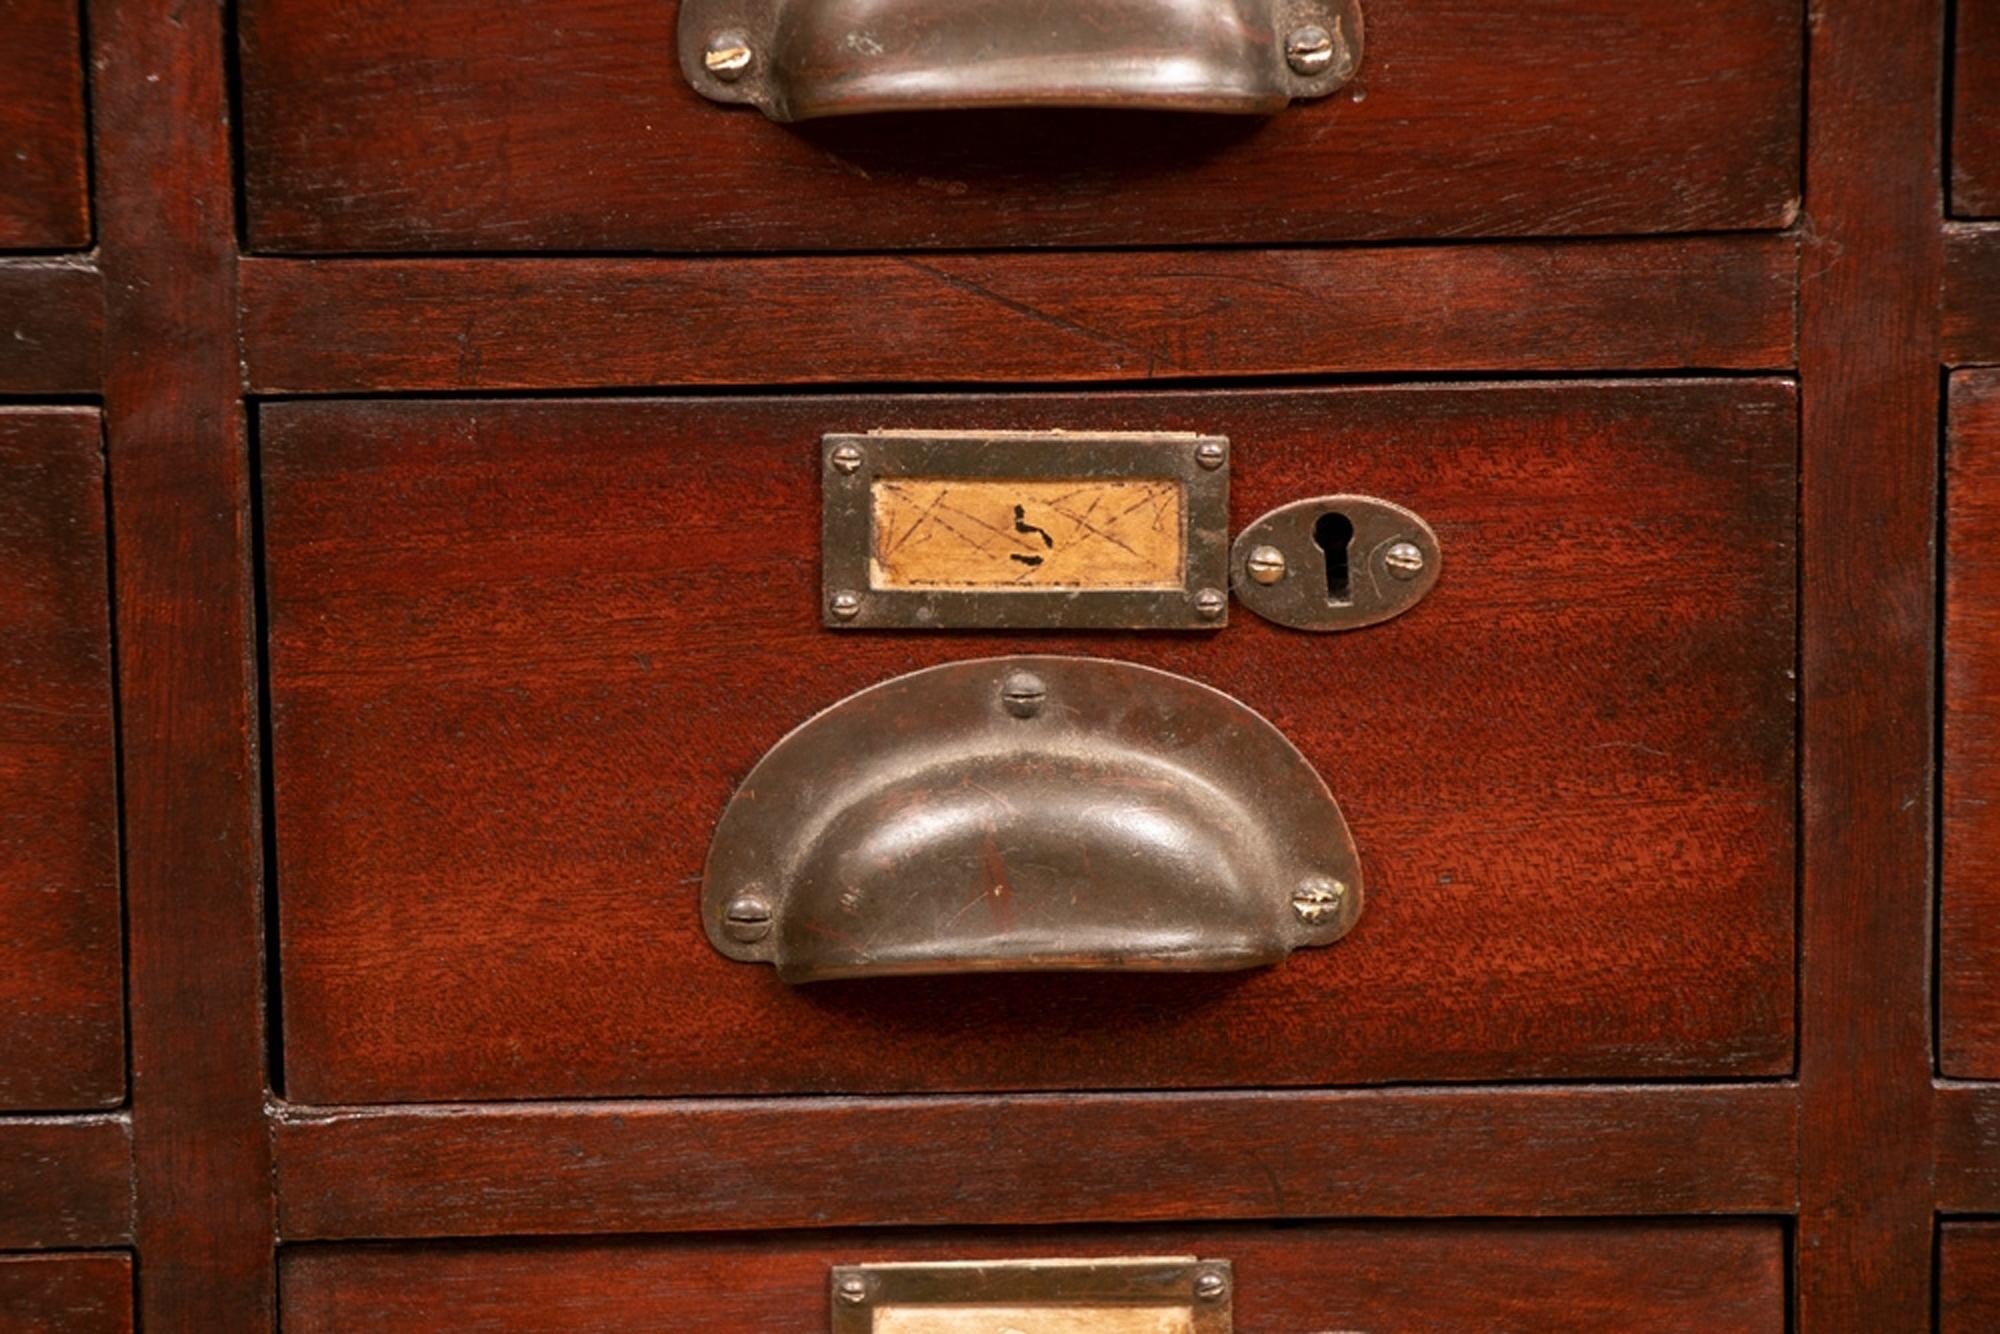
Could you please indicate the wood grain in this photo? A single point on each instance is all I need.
(1868, 370)
(180, 469)
(1975, 111)
(62, 1002)
(1971, 315)
(708, 1165)
(65, 1181)
(381, 126)
(65, 1294)
(1969, 939)
(51, 326)
(1632, 1277)
(377, 325)
(1968, 1278)
(44, 173)
(522, 652)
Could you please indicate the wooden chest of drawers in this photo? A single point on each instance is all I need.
(420, 526)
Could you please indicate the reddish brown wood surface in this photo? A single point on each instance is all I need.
(1969, 941)
(65, 1294)
(1975, 112)
(1968, 1278)
(181, 522)
(1632, 1277)
(1972, 294)
(711, 1165)
(65, 1181)
(51, 326)
(521, 654)
(44, 173)
(62, 1003)
(382, 126)
(1968, 1148)
(1868, 368)
(346, 326)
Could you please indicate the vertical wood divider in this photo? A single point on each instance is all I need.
(180, 499)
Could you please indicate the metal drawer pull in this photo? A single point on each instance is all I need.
(800, 59)
(1030, 814)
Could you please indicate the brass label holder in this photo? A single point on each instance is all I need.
(1140, 1295)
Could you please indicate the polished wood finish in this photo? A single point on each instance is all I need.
(706, 1165)
(1632, 1277)
(62, 1004)
(1868, 370)
(529, 628)
(44, 169)
(1968, 1278)
(380, 126)
(65, 1294)
(65, 1181)
(1969, 938)
(180, 527)
(1975, 111)
(51, 326)
(372, 325)
(1972, 294)
(1968, 1148)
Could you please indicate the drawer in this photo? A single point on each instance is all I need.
(521, 654)
(381, 126)
(1975, 118)
(1627, 1276)
(1968, 1277)
(44, 191)
(61, 990)
(1969, 940)
(65, 1293)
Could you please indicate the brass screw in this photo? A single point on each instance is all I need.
(846, 605)
(847, 459)
(1266, 565)
(1211, 454)
(728, 56)
(853, 1289)
(1211, 1286)
(747, 919)
(1405, 560)
(1309, 49)
(1211, 603)
(1022, 693)
(1317, 900)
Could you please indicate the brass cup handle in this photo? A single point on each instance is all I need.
(802, 59)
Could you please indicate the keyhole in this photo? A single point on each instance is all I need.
(1333, 534)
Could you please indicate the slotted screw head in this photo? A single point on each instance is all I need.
(846, 605)
(1211, 603)
(1266, 565)
(853, 1289)
(1404, 559)
(1023, 694)
(1211, 454)
(1309, 49)
(1317, 900)
(747, 919)
(728, 56)
(1211, 1286)
(847, 458)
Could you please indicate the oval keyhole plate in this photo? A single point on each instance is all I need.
(1341, 562)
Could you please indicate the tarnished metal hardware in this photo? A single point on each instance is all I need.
(800, 59)
(1030, 814)
(1025, 530)
(1334, 563)
(1175, 1294)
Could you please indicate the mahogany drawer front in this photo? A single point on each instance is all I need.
(1975, 139)
(65, 1293)
(522, 652)
(1968, 1277)
(44, 190)
(465, 125)
(61, 990)
(1627, 1276)
(1969, 942)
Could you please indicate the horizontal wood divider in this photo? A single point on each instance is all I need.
(51, 326)
(622, 1167)
(65, 1181)
(349, 326)
(1972, 294)
(1967, 1148)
